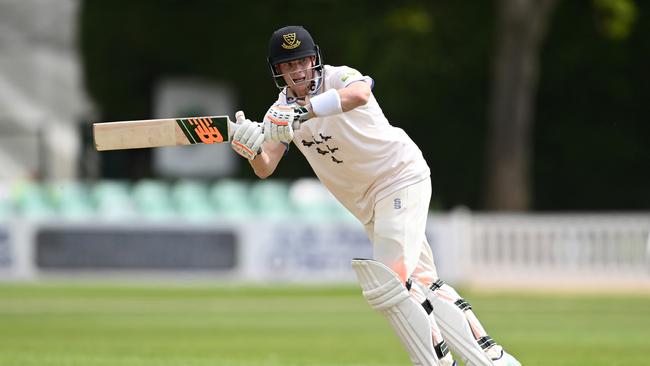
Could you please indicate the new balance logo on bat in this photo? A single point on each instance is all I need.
(203, 130)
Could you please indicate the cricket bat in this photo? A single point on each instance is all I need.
(162, 132)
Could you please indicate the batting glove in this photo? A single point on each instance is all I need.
(248, 138)
(280, 121)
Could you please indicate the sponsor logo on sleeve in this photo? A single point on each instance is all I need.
(349, 74)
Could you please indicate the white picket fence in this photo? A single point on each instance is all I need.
(543, 249)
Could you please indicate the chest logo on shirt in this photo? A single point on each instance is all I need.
(323, 150)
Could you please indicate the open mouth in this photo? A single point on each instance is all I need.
(299, 80)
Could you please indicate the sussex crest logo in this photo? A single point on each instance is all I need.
(290, 41)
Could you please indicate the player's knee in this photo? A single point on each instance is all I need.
(399, 267)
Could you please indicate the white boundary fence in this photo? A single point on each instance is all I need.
(520, 250)
(547, 250)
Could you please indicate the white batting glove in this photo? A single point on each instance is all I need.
(248, 138)
(280, 121)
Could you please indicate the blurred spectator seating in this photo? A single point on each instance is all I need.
(112, 200)
(270, 198)
(71, 199)
(230, 199)
(155, 200)
(31, 200)
(152, 199)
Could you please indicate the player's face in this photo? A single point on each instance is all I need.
(298, 74)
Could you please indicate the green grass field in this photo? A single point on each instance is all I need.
(149, 325)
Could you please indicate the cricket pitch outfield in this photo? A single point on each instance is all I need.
(91, 324)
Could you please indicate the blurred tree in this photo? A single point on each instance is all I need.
(522, 25)
(522, 28)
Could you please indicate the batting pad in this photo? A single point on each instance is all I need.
(456, 331)
(386, 294)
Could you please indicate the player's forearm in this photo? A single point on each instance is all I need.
(261, 165)
(265, 163)
(355, 95)
(338, 101)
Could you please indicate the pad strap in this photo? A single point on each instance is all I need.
(426, 304)
(463, 305)
(486, 342)
(436, 285)
(441, 349)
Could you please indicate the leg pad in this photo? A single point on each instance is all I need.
(385, 293)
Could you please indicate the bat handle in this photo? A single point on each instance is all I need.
(239, 116)
(232, 127)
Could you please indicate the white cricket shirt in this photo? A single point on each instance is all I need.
(358, 155)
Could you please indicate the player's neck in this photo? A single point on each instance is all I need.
(291, 96)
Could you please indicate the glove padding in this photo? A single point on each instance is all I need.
(248, 138)
(280, 121)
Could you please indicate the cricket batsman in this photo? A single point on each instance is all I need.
(378, 173)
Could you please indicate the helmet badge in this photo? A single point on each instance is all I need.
(290, 41)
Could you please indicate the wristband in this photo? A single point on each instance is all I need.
(326, 104)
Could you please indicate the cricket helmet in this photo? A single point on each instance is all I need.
(292, 43)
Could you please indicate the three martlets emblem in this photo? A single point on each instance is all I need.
(290, 41)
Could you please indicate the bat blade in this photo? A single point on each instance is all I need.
(123, 135)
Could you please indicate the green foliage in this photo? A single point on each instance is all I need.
(409, 18)
(616, 17)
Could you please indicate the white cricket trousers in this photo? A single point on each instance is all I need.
(397, 232)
